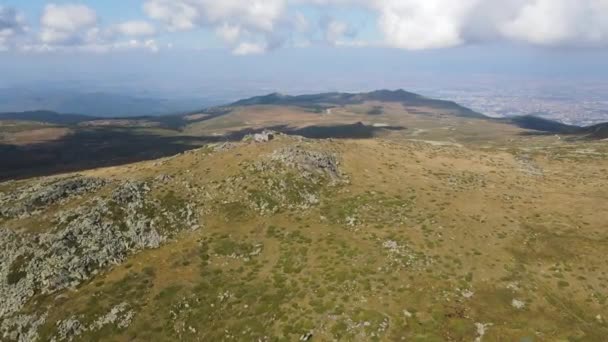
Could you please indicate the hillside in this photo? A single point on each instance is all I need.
(539, 124)
(289, 238)
(45, 116)
(598, 131)
(44, 143)
(320, 102)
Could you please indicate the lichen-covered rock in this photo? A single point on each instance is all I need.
(309, 162)
(21, 328)
(292, 178)
(27, 200)
(130, 193)
(263, 137)
(84, 241)
(119, 315)
(70, 328)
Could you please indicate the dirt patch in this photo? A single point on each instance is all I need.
(38, 136)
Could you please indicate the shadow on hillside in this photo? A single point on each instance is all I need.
(562, 136)
(102, 147)
(352, 131)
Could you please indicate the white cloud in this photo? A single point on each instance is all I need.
(136, 28)
(73, 27)
(412, 24)
(66, 24)
(229, 33)
(335, 30)
(12, 25)
(247, 48)
(177, 15)
(235, 22)
(257, 26)
(301, 23)
(259, 15)
(415, 25)
(560, 22)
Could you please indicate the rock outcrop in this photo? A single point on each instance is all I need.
(83, 242)
(28, 200)
(309, 162)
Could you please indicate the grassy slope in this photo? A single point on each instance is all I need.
(443, 237)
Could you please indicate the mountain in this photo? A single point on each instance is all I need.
(316, 103)
(450, 229)
(94, 103)
(46, 116)
(544, 125)
(328, 100)
(599, 131)
(43, 142)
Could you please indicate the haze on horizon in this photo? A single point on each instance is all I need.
(210, 52)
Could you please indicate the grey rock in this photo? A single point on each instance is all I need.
(306, 337)
(21, 328)
(29, 199)
(69, 328)
(263, 137)
(309, 162)
(84, 241)
(120, 316)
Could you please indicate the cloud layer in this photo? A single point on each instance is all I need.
(12, 25)
(406, 24)
(256, 26)
(72, 27)
(437, 23)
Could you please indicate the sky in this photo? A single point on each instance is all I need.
(271, 43)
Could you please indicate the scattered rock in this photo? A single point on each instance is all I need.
(69, 328)
(84, 241)
(120, 316)
(306, 337)
(518, 304)
(528, 165)
(163, 178)
(30, 199)
(468, 294)
(482, 328)
(21, 328)
(265, 136)
(309, 162)
(225, 146)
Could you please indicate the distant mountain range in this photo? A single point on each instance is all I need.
(599, 131)
(47, 116)
(317, 103)
(329, 100)
(99, 104)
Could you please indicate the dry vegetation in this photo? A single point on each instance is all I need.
(451, 230)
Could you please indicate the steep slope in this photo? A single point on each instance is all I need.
(303, 239)
(544, 125)
(599, 131)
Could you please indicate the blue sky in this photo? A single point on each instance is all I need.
(174, 42)
(260, 26)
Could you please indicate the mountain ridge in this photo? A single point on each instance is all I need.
(327, 100)
(319, 103)
(47, 116)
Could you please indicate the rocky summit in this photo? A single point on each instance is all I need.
(277, 237)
